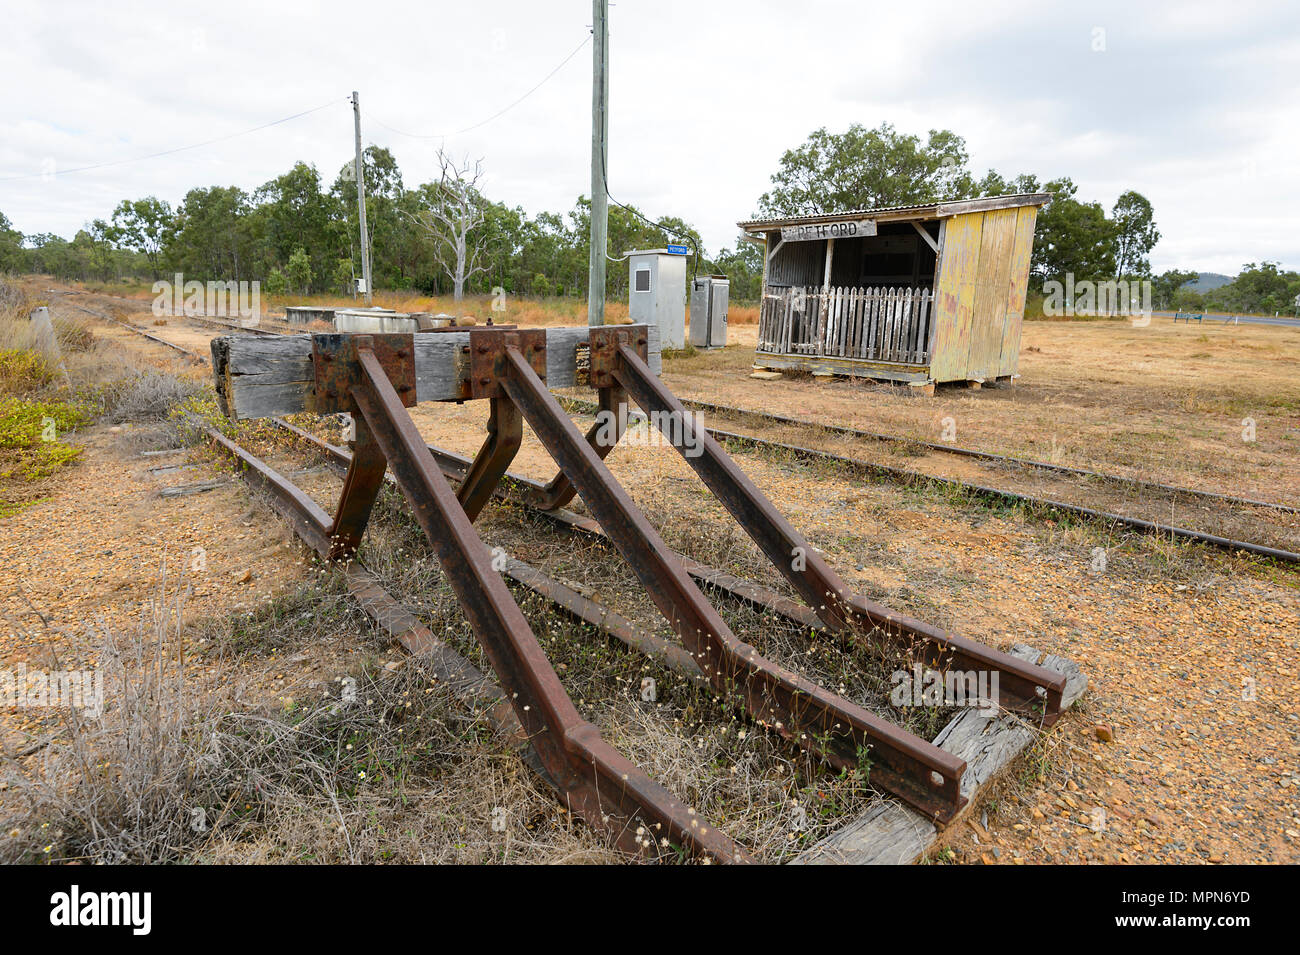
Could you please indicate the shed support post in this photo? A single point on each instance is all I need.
(824, 313)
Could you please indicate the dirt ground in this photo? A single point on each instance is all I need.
(1191, 653)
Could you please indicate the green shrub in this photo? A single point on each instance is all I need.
(30, 449)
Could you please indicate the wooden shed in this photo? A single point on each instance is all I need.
(917, 294)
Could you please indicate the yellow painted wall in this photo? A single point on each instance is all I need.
(1018, 283)
(956, 296)
(981, 293)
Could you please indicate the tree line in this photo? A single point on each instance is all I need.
(295, 234)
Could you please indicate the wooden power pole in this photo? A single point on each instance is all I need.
(599, 161)
(361, 199)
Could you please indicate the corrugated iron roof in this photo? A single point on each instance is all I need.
(942, 209)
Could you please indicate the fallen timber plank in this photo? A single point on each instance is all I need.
(260, 377)
(185, 490)
(889, 833)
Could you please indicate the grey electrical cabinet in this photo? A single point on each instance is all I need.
(657, 293)
(709, 296)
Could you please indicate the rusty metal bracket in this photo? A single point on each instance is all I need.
(605, 343)
(336, 368)
(505, 433)
(487, 347)
(375, 376)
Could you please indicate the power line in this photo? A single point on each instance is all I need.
(495, 115)
(169, 152)
(690, 239)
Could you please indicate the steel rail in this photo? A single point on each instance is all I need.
(909, 477)
(600, 785)
(310, 524)
(162, 341)
(566, 598)
(1030, 686)
(981, 455)
(833, 709)
(916, 477)
(608, 791)
(841, 732)
(235, 326)
(1021, 679)
(454, 466)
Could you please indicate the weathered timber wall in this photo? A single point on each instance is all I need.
(257, 377)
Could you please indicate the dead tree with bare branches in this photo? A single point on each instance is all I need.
(453, 210)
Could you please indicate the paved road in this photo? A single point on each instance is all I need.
(1244, 319)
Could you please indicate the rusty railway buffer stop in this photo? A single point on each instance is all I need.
(376, 377)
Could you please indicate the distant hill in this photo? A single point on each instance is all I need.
(1207, 281)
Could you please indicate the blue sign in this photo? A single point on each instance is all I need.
(678, 250)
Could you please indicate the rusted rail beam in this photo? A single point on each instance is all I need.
(1029, 686)
(817, 720)
(602, 786)
(510, 366)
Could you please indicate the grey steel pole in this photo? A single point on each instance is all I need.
(599, 160)
(361, 199)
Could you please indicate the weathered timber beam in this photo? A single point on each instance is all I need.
(259, 377)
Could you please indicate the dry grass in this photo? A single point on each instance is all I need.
(1164, 403)
(379, 765)
(521, 310)
(119, 787)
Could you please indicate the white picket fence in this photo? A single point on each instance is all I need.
(878, 324)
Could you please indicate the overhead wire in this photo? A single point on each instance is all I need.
(173, 151)
(499, 113)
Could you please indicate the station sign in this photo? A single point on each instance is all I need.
(828, 230)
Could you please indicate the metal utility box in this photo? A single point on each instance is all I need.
(709, 296)
(657, 293)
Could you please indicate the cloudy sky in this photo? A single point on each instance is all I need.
(1196, 105)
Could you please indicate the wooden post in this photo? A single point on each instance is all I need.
(768, 251)
(825, 311)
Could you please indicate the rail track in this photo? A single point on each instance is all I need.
(1029, 463)
(272, 326)
(189, 353)
(1033, 503)
(374, 376)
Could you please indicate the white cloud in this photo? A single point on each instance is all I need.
(1192, 104)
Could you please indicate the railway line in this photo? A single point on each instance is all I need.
(1038, 505)
(1034, 504)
